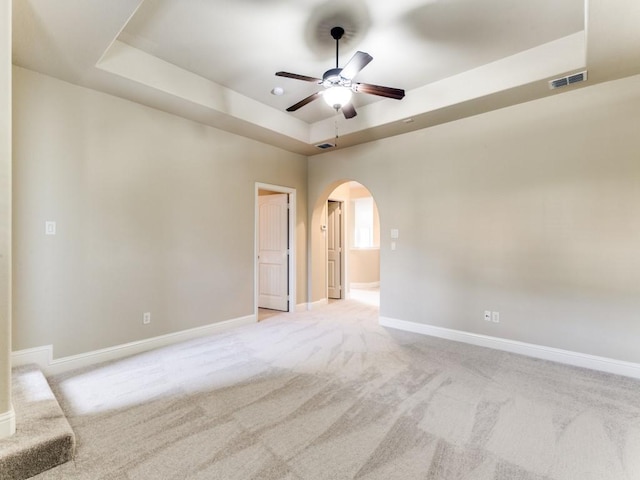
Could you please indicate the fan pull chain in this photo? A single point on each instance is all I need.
(336, 142)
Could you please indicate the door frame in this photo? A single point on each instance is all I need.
(291, 264)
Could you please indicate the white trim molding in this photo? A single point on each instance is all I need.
(293, 262)
(43, 356)
(576, 359)
(7, 423)
(317, 304)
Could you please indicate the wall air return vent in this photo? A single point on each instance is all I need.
(568, 80)
(326, 145)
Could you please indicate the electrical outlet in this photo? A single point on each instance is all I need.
(487, 315)
(146, 318)
(49, 228)
(495, 316)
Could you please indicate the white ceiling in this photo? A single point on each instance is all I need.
(413, 43)
(214, 61)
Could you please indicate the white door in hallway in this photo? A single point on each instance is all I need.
(273, 252)
(334, 249)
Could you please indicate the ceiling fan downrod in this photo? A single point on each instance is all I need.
(337, 33)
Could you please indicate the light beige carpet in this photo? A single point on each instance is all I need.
(43, 437)
(329, 394)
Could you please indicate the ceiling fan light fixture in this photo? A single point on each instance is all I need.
(336, 97)
(339, 85)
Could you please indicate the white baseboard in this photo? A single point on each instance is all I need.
(593, 362)
(7, 423)
(357, 285)
(318, 303)
(43, 356)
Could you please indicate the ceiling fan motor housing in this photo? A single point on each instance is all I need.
(332, 78)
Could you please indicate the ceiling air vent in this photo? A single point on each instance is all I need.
(568, 80)
(324, 146)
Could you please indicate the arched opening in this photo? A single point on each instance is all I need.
(344, 245)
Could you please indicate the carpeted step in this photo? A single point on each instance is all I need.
(43, 437)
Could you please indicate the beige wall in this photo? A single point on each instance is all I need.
(362, 192)
(154, 213)
(532, 211)
(364, 266)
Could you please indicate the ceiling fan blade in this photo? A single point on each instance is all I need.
(349, 111)
(298, 77)
(388, 92)
(357, 63)
(303, 102)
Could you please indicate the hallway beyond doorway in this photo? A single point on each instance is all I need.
(368, 296)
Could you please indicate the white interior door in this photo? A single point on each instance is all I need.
(273, 255)
(334, 249)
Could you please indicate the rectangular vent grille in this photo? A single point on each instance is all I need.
(568, 80)
(324, 146)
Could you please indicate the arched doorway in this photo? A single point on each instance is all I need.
(345, 245)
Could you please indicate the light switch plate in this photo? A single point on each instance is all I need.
(394, 233)
(49, 228)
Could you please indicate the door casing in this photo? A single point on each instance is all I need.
(292, 242)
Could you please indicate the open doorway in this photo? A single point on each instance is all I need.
(352, 244)
(274, 279)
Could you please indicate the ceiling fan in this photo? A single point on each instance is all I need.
(339, 84)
